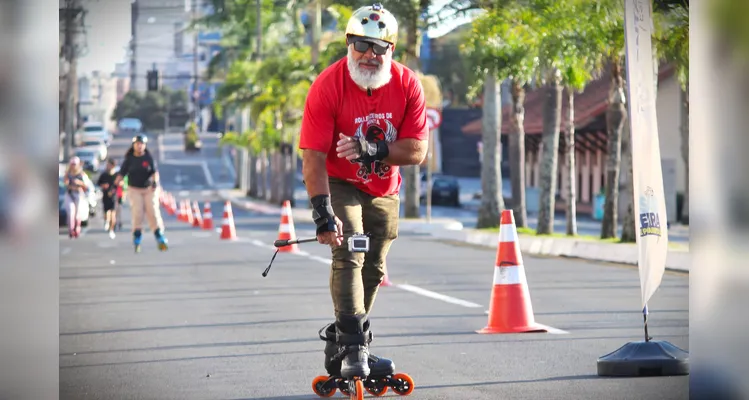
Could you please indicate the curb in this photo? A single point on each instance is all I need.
(676, 261)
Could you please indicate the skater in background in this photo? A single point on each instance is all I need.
(77, 185)
(364, 117)
(109, 196)
(142, 175)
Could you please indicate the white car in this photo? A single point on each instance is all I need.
(93, 131)
(130, 125)
(89, 158)
(97, 146)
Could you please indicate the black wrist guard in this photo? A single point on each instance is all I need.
(372, 151)
(322, 213)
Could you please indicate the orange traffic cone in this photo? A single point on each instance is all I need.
(286, 229)
(198, 221)
(207, 216)
(188, 213)
(181, 211)
(510, 310)
(227, 226)
(170, 204)
(385, 279)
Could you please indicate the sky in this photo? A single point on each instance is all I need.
(108, 34)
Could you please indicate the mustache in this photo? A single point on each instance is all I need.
(369, 62)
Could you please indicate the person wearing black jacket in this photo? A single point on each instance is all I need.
(143, 190)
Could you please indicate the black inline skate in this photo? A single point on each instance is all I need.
(137, 238)
(161, 240)
(355, 378)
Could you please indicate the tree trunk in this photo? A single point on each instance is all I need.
(685, 152)
(316, 29)
(571, 170)
(615, 117)
(263, 174)
(517, 155)
(492, 202)
(627, 187)
(411, 173)
(552, 121)
(254, 186)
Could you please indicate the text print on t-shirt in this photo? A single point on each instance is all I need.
(375, 127)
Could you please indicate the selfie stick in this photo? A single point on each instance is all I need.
(286, 242)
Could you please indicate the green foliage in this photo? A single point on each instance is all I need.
(671, 38)
(150, 107)
(729, 19)
(503, 42)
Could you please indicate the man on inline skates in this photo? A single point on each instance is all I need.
(364, 117)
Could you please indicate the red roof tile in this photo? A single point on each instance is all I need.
(589, 104)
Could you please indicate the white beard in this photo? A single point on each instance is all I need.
(369, 79)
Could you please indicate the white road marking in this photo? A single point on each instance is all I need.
(229, 165)
(202, 234)
(206, 192)
(65, 250)
(208, 176)
(404, 286)
(183, 193)
(438, 296)
(550, 329)
(325, 261)
(553, 331)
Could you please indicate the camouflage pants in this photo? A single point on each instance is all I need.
(356, 277)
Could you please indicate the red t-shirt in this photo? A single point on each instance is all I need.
(336, 105)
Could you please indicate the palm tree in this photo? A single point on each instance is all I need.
(503, 46)
(581, 61)
(672, 44)
(609, 22)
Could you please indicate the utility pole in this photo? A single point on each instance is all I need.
(71, 79)
(133, 41)
(196, 91)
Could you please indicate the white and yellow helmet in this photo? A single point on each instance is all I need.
(373, 22)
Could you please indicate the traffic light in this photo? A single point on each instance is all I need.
(153, 80)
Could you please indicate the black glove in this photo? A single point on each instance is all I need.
(372, 151)
(322, 213)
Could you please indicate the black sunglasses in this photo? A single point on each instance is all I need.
(362, 46)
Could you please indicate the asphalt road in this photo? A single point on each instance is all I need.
(200, 322)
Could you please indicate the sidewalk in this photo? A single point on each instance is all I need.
(449, 229)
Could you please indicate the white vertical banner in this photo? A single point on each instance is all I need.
(649, 197)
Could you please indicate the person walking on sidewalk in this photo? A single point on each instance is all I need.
(364, 116)
(76, 188)
(109, 196)
(142, 174)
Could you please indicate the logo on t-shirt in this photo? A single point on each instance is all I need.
(145, 164)
(375, 128)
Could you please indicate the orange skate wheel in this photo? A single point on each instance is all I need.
(404, 386)
(377, 387)
(359, 392)
(320, 389)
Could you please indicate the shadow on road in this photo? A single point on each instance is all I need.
(552, 379)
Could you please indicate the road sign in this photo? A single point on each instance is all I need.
(434, 118)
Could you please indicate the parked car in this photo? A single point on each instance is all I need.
(89, 158)
(97, 146)
(129, 126)
(445, 190)
(93, 131)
